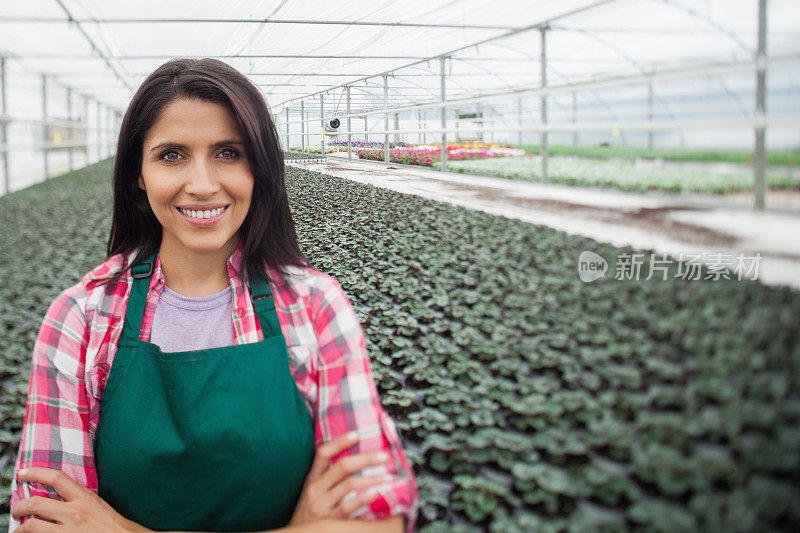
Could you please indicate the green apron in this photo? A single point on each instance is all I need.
(205, 440)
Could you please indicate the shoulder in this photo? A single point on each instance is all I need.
(307, 284)
(93, 291)
(105, 271)
(74, 312)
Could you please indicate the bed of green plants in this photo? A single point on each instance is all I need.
(776, 157)
(627, 174)
(527, 400)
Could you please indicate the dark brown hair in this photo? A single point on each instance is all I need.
(268, 232)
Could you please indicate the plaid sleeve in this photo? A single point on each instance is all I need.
(55, 430)
(348, 401)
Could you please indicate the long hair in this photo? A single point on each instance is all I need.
(268, 232)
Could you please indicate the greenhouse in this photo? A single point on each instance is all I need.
(567, 228)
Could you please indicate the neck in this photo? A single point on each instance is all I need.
(193, 273)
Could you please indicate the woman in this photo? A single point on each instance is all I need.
(205, 377)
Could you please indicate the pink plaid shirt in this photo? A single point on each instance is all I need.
(75, 348)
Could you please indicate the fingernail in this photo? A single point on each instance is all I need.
(371, 492)
(23, 471)
(381, 456)
(389, 477)
(352, 435)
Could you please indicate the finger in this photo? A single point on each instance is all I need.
(357, 484)
(38, 505)
(349, 465)
(34, 525)
(65, 486)
(326, 452)
(347, 507)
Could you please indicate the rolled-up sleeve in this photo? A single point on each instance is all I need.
(55, 429)
(348, 401)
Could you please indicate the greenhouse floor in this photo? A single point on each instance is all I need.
(689, 226)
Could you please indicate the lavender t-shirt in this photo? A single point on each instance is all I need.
(185, 323)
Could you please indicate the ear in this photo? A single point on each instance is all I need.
(141, 183)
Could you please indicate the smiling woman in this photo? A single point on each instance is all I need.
(205, 377)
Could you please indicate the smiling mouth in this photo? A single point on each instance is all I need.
(202, 214)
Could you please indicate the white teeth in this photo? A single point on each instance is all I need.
(208, 213)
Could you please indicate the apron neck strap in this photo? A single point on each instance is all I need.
(138, 298)
(260, 293)
(264, 305)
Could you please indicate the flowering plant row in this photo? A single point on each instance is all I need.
(403, 156)
(423, 155)
(427, 155)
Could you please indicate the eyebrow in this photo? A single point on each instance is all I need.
(183, 146)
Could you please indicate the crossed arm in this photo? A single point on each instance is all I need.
(83, 510)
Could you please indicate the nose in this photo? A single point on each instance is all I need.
(202, 179)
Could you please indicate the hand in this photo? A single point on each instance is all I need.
(324, 489)
(83, 510)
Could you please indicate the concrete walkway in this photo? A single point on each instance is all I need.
(694, 228)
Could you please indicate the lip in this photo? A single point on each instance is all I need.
(203, 222)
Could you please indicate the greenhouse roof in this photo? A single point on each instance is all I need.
(291, 48)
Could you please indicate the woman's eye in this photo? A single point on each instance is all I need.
(166, 156)
(231, 153)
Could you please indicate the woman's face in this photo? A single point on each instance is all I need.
(197, 178)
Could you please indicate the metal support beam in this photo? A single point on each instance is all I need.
(71, 129)
(302, 126)
(99, 132)
(543, 136)
(4, 127)
(386, 119)
(519, 121)
(492, 118)
(45, 131)
(109, 135)
(575, 119)
(443, 95)
(397, 127)
(104, 129)
(288, 147)
(322, 124)
(419, 126)
(260, 22)
(85, 128)
(349, 125)
(760, 156)
(479, 119)
(366, 129)
(650, 113)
